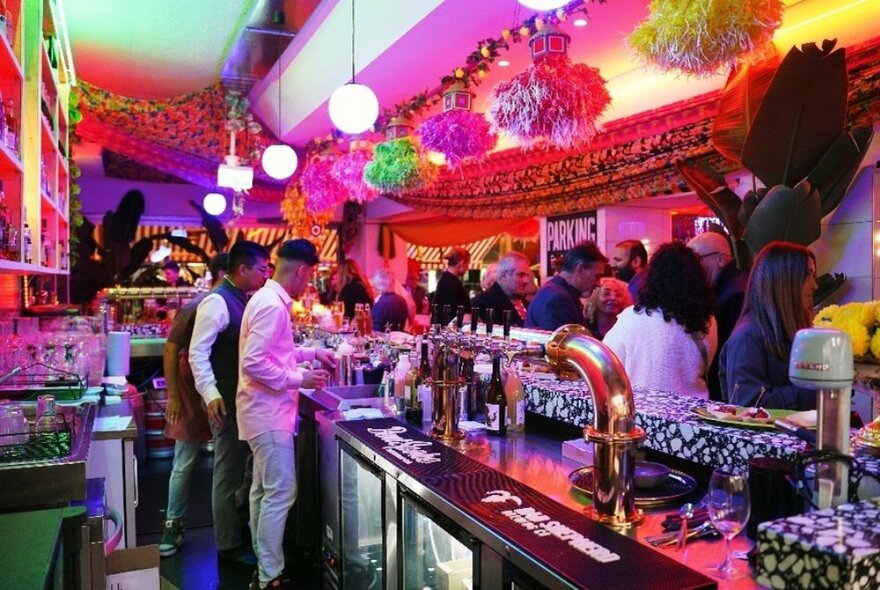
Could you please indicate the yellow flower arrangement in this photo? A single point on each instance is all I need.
(859, 320)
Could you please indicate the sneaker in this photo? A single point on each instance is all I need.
(172, 537)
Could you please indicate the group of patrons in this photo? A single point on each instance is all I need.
(693, 324)
(686, 320)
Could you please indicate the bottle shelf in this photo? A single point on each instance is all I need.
(14, 267)
(9, 63)
(48, 204)
(9, 160)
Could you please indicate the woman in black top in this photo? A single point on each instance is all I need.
(355, 288)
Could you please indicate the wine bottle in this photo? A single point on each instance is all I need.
(417, 383)
(496, 402)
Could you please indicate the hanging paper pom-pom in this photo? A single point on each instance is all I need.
(458, 135)
(704, 37)
(348, 170)
(321, 189)
(397, 166)
(553, 100)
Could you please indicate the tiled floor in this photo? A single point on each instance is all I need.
(195, 566)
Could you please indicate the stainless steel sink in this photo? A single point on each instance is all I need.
(50, 481)
(347, 397)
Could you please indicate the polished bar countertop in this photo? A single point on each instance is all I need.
(536, 460)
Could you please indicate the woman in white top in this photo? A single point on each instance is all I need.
(667, 341)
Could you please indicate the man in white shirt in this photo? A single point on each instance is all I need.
(213, 357)
(267, 402)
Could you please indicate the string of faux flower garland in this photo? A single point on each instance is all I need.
(476, 67)
(704, 37)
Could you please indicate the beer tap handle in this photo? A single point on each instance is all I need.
(506, 318)
(435, 314)
(447, 314)
(475, 318)
(490, 320)
(459, 317)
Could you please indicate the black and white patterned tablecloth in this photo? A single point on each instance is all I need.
(831, 548)
(670, 424)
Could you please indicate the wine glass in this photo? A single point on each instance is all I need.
(728, 506)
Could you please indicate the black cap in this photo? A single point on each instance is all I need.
(300, 250)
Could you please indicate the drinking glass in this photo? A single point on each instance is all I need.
(728, 506)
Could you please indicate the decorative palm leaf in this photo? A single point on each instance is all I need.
(800, 117)
(216, 233)
(828, 285)
(712, 189)
(742, 95)
(125, 220)
(790, 214)
(837, 168)
(139, 253)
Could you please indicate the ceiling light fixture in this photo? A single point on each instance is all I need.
(579, 22)
(503, 63)
(279, 160)
(353, 107)
(214, 203)
(543, 5)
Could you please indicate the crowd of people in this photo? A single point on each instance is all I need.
(685, 320)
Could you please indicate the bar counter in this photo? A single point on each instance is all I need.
(536, 460)
(670, 424)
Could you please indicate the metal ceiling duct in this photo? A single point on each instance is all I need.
(272, 26)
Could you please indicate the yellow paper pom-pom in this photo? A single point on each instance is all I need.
(875, 344)
(560, 14)
(861, 313)
(482, 73)
(825, 317)
(505, 34)
(524, 31)
(858, 333)
(459, 73)
(484, 51)
(539, 23)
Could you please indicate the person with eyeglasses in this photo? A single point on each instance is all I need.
(729, 286)
(558, 301)
(213, 357)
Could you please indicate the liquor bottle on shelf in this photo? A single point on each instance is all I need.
(5, 219)
(496, 402)
(7, 26)
(27, 243)
(11, 125)
(62, 255)
(45, 244)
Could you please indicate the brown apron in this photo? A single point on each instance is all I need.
(192, 424)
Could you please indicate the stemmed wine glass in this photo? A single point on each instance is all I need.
(728, 506)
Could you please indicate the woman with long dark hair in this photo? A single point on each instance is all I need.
(779, 300)
(667, 340)
(354, 287)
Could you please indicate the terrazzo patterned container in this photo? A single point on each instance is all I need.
(832, 548)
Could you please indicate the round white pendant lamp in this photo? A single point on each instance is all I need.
(543, 5)
(215, 203)
(279, 161)
(353, 108)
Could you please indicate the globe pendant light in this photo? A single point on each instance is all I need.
(543, 5)
(215, 203)
(279, 160)
(353, 107)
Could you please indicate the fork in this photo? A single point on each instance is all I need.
(667, 539)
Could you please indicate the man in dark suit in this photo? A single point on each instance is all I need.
(450, 290)
(729, 285)
(512, 281)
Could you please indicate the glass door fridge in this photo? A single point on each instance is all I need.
(362, 517)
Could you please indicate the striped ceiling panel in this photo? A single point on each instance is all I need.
(267, 236)
(431, 258)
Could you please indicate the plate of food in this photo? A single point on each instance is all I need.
(730, 415)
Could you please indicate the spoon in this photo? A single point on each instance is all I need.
(685, 512)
